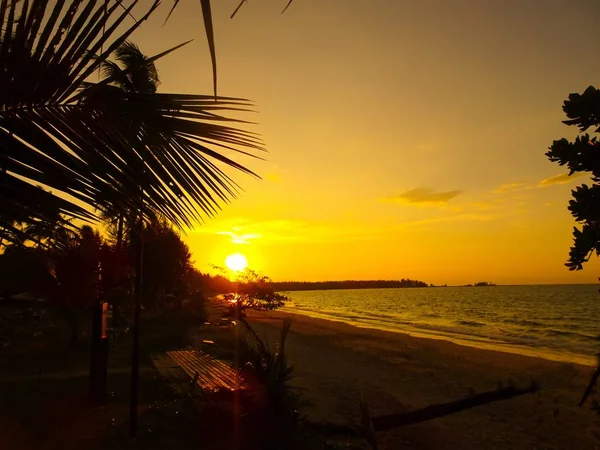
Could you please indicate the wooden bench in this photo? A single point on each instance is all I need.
(210, 374)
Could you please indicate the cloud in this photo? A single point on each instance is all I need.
(503, 188)
(239, 238)
(562, 178)
(423, 195)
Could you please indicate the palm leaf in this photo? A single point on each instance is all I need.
(208, 29)
(95, 142)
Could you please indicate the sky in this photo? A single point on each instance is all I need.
(405, 138)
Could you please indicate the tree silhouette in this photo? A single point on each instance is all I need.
(77, 274)
(252, 290)
(86, 140)
(582, 155)
(167, 261)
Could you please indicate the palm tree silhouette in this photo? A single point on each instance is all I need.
(85, 142)
(91, 146)
(133, 73)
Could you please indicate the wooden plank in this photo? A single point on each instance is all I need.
(222, 372)
(212, 373)
(169, 369)
(218, 379)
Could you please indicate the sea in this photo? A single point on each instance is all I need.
(556, 322)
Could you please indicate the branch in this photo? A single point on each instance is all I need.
(387, 422)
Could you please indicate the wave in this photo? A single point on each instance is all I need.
(572, 334)
(523, 322)
(471, 323)
(557, 318)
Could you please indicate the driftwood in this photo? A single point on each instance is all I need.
(370, 425)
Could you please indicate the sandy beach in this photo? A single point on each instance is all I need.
(395, 372)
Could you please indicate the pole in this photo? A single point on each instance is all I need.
(135, 351)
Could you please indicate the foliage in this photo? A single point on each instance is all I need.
(96, 143)
(77, 270)
(208, 28)
(166, 262)
(582, 155)
(253, 290)
(69, 277)
(346, 284)
(269, 371)
(25, 269)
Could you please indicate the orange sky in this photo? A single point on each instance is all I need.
(406, 138)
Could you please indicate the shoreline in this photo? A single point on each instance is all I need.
(479, 343)
(335, 364)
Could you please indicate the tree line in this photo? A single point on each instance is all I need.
(345, 284)
(70, 270)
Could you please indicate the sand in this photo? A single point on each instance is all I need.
(395, 372)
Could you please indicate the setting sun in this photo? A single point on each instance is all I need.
(236, 262)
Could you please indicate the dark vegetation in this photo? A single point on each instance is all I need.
(283, 286)
(73, 151)
(218, 284)
(582, 156)
(251, 290)
(147, 163)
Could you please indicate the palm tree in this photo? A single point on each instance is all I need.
(134, 75)
(96, 144)
(86, 140)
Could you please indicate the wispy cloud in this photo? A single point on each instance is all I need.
(239, 238)
(246, 231)
(562, 178)
(423, 196)
(508, 187)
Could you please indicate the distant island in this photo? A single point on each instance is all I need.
(481, 283)
(346, 284)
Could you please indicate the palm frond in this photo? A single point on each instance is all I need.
(97, 143)
(208, 29)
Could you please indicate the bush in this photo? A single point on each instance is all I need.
(268, 374)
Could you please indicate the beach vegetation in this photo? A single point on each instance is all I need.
(282, 286)
(251, 290)
(581, 156)
(268, 372)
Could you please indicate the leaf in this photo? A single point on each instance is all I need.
(208, 27)
(104, 144)
(237, 9)
(175, 3)
(287, 6)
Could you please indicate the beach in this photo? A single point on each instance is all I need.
(335, 362)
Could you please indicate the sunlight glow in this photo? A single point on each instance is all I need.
(236, 262)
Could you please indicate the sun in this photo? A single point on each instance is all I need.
(236, 262)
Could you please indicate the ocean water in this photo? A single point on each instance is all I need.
(557, 322)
